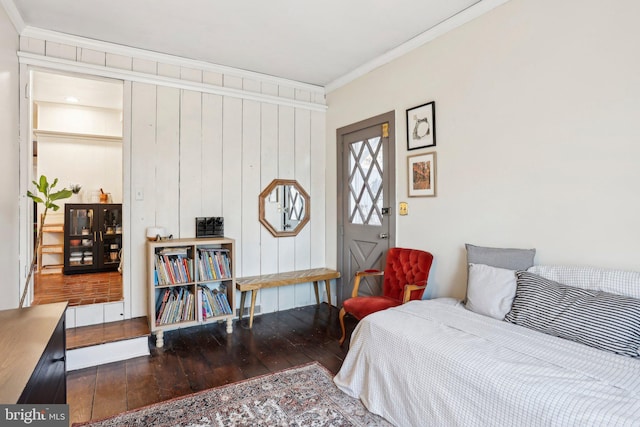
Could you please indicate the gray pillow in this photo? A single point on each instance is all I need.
(510, 259)
(598, 319)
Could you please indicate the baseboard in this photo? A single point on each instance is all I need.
(106, 353)
(245, 311)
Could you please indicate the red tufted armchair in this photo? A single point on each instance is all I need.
(405, 278)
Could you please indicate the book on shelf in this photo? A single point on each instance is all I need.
(214, 303)
(172, 269)
(214, 263)
(174, 305)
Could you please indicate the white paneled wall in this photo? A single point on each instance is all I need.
(205, 142)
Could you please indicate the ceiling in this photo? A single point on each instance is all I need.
(310, 42)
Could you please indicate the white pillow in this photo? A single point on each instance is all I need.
(619, 282)
(490, 290)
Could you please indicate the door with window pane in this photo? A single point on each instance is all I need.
(366, 196)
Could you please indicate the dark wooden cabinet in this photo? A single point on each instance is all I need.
(92, 237)
(33, 350)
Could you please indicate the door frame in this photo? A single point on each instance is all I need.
(389, 118)
(26, 217)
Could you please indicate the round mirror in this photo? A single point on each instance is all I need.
(284, 207)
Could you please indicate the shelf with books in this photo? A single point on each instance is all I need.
(191, 281)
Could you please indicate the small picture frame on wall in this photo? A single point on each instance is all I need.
(422, 175)
(421, 126)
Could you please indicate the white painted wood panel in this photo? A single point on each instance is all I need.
(304, 294)
(30, 44)
(212, 166)
(232, 178)
(59, 50)
(317, 167)
(91, 56)
(143, 160)
(190, 74)
(250, 187)
(286, 170)
(190, 162)
(208, 154)
(145, 66)
(169, 70)
(166, 159)
(119, 61)
(268, 172)
(139, 305)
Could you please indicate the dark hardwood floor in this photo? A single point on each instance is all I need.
(202, 357)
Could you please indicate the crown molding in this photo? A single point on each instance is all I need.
(117, 49)
(15, 17)
(455, 21)
(66, 65)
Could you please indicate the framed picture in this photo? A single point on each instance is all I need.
(421, 126)
(422, 175)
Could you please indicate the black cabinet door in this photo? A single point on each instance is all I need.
(48, 383)
(93, 237)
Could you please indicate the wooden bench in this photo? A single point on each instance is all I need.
(255, 283)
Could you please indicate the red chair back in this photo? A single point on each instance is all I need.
(405, 266)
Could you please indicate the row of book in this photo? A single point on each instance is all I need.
(173, 266)
(213, 264)
(213, 303)
(174, 305)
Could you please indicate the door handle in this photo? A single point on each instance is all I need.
(383, 235)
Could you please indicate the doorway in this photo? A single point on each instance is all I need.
(366, 195)
(77, 133)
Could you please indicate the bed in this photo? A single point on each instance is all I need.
(438, 363)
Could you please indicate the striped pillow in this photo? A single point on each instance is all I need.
(598, 319)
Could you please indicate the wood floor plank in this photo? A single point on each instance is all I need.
(81, 394)
(202, 357)
(111, 390)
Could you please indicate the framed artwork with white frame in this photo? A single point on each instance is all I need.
(422, 175)
(421, 126)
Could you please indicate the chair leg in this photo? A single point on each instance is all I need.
(344, 332)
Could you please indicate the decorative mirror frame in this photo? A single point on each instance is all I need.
(265, 195)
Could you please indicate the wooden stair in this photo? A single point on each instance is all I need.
(107, 342)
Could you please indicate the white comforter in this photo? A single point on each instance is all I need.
(433, 363)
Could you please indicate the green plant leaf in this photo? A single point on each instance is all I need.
(44, 185)
(62, 194)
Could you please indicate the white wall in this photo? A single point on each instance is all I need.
(92, 163)
(79, 118)
(9, 163)
(198, 141)
(537, 106)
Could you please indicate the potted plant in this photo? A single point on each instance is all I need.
(46, 196)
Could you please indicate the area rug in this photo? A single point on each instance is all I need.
(300, 396)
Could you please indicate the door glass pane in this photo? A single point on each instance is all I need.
(365, 182)
(81, 237)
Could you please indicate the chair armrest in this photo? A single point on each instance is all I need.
(410, 288)
(361, 274)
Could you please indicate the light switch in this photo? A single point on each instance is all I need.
(404, 208)
(139, 194)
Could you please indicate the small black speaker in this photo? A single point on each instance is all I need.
(210, 226)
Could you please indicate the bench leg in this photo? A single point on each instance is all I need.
(327, 285)
(315, 288)
(243, 297)
(254, 294)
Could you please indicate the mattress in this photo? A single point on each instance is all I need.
(436, 363)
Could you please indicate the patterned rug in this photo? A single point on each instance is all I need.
(301, 396)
